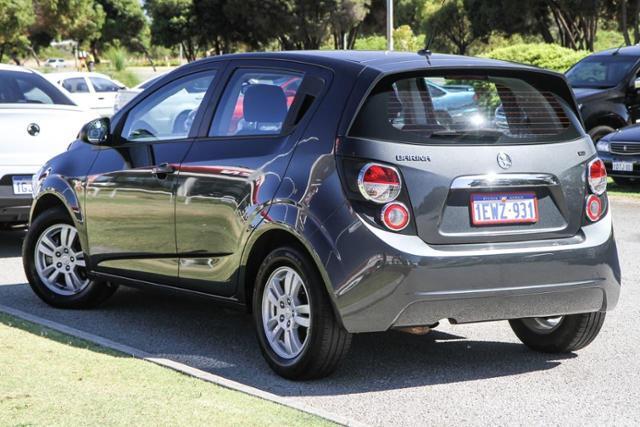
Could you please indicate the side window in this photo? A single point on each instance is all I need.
(169, 112)
(76, 85)
(255, 102)
(103, 85)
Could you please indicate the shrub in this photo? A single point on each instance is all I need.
(118, 58)
(403, 40)
(543, 55)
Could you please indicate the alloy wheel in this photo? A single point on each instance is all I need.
(286, 312)
(60, 262)
(543, 325)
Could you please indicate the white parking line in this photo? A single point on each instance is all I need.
(177, 366)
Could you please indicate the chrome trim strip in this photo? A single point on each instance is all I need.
(504, 180)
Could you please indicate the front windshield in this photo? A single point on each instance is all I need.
(21, 87)
(600, 72)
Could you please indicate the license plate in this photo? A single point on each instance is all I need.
(22, 185)
(504, 208)
(622, 166)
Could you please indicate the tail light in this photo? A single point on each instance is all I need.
(597, 177)
(379, 183)
(395, 216)
(594, 207)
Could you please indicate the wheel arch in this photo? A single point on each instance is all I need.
(610, 119)
(272, 236)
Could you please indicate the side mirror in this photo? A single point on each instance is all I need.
(97, 132)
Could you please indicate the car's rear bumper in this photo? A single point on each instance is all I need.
(406, 282)
(14, 208)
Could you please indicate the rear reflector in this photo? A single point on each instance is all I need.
(594, 208)
(379, 183)
(597, 177)
(395, 216)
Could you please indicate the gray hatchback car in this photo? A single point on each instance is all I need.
(329, 194)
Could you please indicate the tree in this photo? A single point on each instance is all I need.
(125, 24)
(79, 20)
(346, 21)
(450, 26)
(305, 23)
(173, 23)
(15, 18)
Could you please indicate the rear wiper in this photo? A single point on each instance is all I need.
(484, 134)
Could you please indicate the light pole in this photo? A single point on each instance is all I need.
(389, 24)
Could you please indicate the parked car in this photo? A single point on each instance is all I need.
(55, 63)
(460, 102)
(125, 95)
(353, 209)
(92, 90)
(620, 152)
(607, 88)
(38, 121)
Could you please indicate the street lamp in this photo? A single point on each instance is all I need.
(389, 24)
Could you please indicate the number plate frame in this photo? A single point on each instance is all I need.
(22, 179)
(622, 166)
(501, 196)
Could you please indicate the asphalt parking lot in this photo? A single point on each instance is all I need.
(473, 374)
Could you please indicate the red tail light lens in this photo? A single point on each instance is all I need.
(594, 208)
(395, 216)
(597, 177)
(379, 183)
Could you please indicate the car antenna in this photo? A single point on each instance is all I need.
(615, 52)
(426, 52)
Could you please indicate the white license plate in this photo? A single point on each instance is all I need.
(22, 185)
(503, 208)
(622, 166)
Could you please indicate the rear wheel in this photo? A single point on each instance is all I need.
(561, 334)
(298, 333)
(599, 131)
(55, 264)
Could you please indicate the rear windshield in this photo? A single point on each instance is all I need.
(469, 109)
(20, 87)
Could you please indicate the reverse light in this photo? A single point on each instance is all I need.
(379, 183)
(395, 216)
(597, 177)
(594, 208)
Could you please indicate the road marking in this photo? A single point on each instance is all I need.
(177, 366)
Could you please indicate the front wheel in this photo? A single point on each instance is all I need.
(598, 132)
(298, 333)
(561, 334)
(55, 264)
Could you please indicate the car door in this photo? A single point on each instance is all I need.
(130, 193)
(236, 164)
(105, 94)
(79, 89)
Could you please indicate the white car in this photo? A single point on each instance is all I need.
(92, 90)
(55, 63)
(125, 95)
(38, 121)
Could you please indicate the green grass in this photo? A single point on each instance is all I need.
(631, 190)
(48, 378)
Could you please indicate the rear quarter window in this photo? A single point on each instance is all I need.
(443, 109)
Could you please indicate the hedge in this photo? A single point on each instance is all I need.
(543, 55)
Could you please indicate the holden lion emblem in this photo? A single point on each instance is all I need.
(504, 161)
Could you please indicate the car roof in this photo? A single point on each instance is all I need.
(622, 51)
(10, 67)
(384, 61)
(67, 74)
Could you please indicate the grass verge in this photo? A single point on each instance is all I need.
(48, 378)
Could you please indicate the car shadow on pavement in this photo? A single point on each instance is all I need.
(11, 242)
(204, 335)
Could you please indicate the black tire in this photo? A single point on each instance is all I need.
(95, 293)
(598, 132)
(327, 341)
(621, 181)
(575, 332)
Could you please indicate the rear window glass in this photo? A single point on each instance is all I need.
(442, 109)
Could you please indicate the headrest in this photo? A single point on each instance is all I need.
(264, 104)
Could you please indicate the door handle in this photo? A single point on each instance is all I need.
(163, 169)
